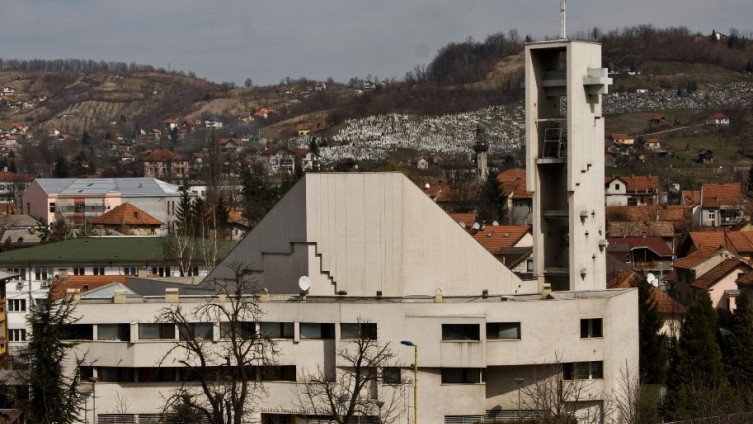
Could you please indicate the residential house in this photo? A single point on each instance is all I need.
(510, 244)
(231, 145)
(739, 243)
(419, 162)
(518, 200)
(721, 205)
(8, 90)
(622, 139)
(643, 254)
(306, 160)
(82, 199)
(446, 303)
(130, 220)
(717, 119)
(212, 123)
(656, 119)
(653, 144)
(632, 190)
(278, 160)
(705, 156)
(12, 186)
(166, 165)
(707, 269)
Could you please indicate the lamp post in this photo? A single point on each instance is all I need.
(94, 399)
(415, 378)
(519, 381)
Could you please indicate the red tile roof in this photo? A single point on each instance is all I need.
(716, 195)
(496, 237)
(126, 214)
(698, 257)
(468, 218)
(59, 289)
(719, 272)
(625, 279)
(691, 197)
(655, 244)
(164, 155)
(513, 183)
(738, 242)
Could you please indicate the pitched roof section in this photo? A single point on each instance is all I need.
(127, 187)
(738, 242)
(496, 237)
(717, 195)
(513, 183)
(720, 271)
(691, 197)
(639, 183)
(84, 283)
(625, 279)
(126, 214)
(164, 155)
(362, 233)
(655, 244)
(698, 257)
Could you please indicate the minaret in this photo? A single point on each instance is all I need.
(481, 147)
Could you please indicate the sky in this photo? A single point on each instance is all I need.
(232, 40)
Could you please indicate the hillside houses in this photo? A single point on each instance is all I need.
(632, 190)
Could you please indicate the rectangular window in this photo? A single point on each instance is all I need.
(461, 376)
(196, 331)
(276, 330)
(590, 328)
(19, 272)
(42, 274)
(115, 374)
(278, 373)
(391, 375)
(79, 207)
(461, 332)
(17, 305)
(79, 271)
(17, 335)
(503, 330)
(156, 331)
(583, 370)
(77, 332)
(242, 330)
(156, 374)
(130, 270)
(98, 270)
(317, 330)
(52, 207)
(363, 330)
(120, 332)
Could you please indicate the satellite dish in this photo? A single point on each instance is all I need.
(495, 223)
(427, 186)
(304, 283)
(476, 226)
(651, 278)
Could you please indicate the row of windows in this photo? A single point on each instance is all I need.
(246, 330)
(589, 328)
(148, 375)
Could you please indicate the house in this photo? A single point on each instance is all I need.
(653, 144)
(510, 244)
(656, 119)
(518, 200)
(446, 303)
(278, 160)
(320, 86)
(164, 164)
(12, 186)
(306, 160)
(717, 119)
(128, 219)
(721, 205)
(464, 219)
(739, 243)
(8, 90)
(622, 139)
(21, 231)
(705, 156)
(212, 123)
(643, 254)
(231, 145)
(631, 190)
(707, 269)
(82, 199)
(419, 162)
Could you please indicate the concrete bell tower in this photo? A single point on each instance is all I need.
(564, 83)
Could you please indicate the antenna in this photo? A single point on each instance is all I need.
(651, 279)
(304, 283)
(563, 28)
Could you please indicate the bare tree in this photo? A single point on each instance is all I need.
(223, 355)
(633, 401)
(564, 393)
(353, 389)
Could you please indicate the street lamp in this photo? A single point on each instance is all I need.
(519, 381)
(415, 378)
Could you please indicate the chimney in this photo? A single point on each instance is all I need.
(171, 295)
(120, 296)
(546, 290)
(74, 295)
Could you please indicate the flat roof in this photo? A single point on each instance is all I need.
(127, 187)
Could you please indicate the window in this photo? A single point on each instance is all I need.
(590, 328)
(79, 271)
(277, 330)
(17, 305)
(120, 332)
(130, 270)
(632, 201)
(52, 207)
(156, 374)
(41, 274)
(20, 273)
(115, 374)
(363, 330)
(17, 335)
(461, 332)
(617, 186)
(461, 376)
(196, 330)
(502, 330)
(157, 331)
(529, 265)
(244, 330)
(79, 207)
(317, 330)
(391, 375)
(278, 373)
(98, 270)
(77, 332)
(583, 370)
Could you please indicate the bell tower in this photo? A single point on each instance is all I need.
(481, 147)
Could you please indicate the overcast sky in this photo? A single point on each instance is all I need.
(229, 40)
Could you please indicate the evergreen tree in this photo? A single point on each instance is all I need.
(184, 220)
(652, 345)
(696, 372)
(62, 170)
(220, 217)
(750, 179)
(491, 201)
(54, 398)
(738, 352)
